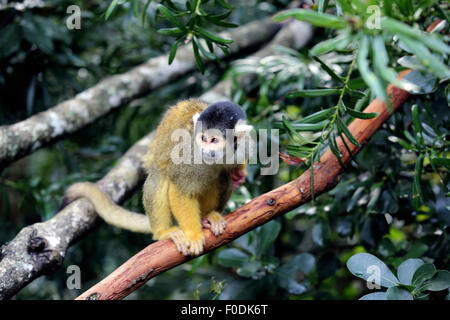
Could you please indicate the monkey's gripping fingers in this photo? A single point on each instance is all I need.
(215, 222)
(181, 241)
(188, 245)
(196, 243)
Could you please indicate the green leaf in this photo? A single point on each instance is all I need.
(313, 17)
(321, 233)
(402, 142)
(423, 273)
(290, 284)
(341, 125)
(374, 296)
(193, 5)
(398, 293)
(440, 282)
(298, 151)
(366, 265)
(305, 262)
(111, 8)
(226, 24)
(355, 198)
(135, 8)
(249, 269)
(416, 119)
(424, 81)
(225, 5)
(361, 115)
(10, 40)
(294, 134)
(212, 36)
(207, 54)
(198, 59)
(328, 70)
(171, 17)
(144, 12)
(441, 161)
(322, 5)
(195, 263)
(431, 62)
(317, 116)
(36, 30)
(232, 258)
(363, 101)
(268, 233)
(312, 176)
(176, 32)
(401, 29)
(410, 62)
(406, 270)
(381, 62)
(417, 189)
(345, 6)
(369, 77)
(340, 42)
(219, 16)
(313, 93)
(334, 149)
(173, 50)
(310, 126)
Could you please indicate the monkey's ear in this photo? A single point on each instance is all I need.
(195, 118)
(242, 129)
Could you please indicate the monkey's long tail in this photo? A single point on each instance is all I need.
(106, 208)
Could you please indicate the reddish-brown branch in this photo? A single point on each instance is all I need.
(163, 255)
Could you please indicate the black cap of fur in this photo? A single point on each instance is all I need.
(221, 115)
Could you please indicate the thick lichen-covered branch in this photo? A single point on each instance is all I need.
(41, 247)
(26, 136)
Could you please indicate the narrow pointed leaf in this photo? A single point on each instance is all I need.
(361, 115)
(341, 125)
(313, 17)
(313, 93)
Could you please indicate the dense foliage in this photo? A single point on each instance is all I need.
(391, 208)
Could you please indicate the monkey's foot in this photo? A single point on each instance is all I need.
(191, 245)
(215, 222)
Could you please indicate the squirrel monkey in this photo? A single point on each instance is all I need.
(191, 193)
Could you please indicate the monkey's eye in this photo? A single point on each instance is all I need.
(214, 140)
(203, 138)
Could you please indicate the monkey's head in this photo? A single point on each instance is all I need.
(221, 125)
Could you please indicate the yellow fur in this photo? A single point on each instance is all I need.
(186, 193)
(108, 210)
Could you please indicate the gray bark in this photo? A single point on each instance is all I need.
(26, 136)
(40, 248)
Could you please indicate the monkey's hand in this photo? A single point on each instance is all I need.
(215, 222)
(189, 245)
(238, 176)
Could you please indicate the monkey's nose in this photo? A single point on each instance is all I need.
(212, 153)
